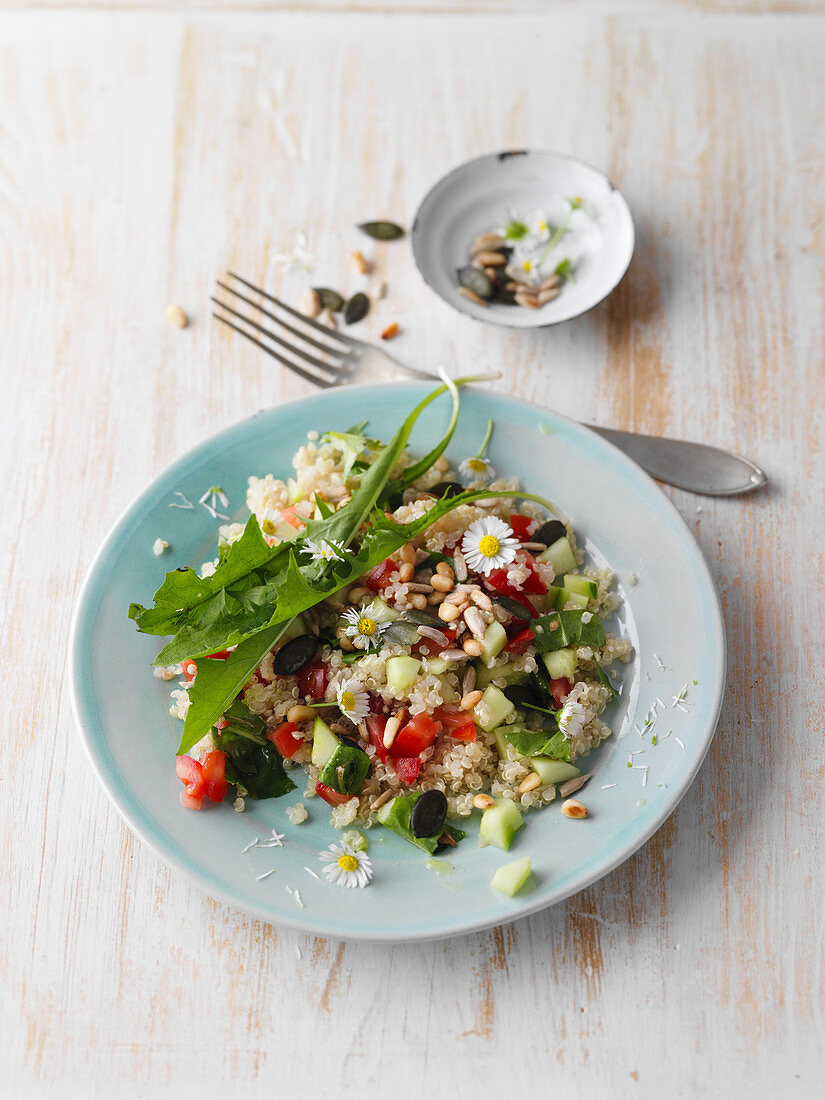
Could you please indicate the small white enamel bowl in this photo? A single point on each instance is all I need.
(477, 196)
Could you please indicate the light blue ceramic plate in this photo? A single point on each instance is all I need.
(671, 615)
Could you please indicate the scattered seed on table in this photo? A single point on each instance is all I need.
(359, 262)
(391, 331)
(573, 808)
(356, 308)
(330, 299)
(310, 302)
(381, 230)
(175, 315)
(484, 802)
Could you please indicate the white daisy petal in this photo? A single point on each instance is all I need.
(475, 468)
(346, 866)
(489, 544)
(322, 551)
(269, 521)
(572, 719)
(353, 700)
(364, 625)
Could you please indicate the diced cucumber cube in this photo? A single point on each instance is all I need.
(401, 673)
(504, 748)
(560, 555)
(553, 771)
(507, 673)
(493, 642)
(390, 614)
(551, 597)
(324, 743)
(346, 769)
(494, 706)
(500, 824)
(564, 596)
(435, 665)
(510, 878)
(561, 665)
(583, 585)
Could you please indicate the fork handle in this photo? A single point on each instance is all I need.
(692, 466)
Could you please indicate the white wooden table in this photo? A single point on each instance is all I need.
(142, 153)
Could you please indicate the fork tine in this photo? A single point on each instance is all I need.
(324, 383)
(333, 368)
(349, 340)
(342, 352)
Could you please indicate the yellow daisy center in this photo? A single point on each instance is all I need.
(527, 265)
(477, 464)
(268, 527)
(348, 701)
(542, 226)
(348, 863)
(489, 546)
(367, 627)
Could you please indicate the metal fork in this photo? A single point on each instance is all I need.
(692, 466)
(318, 354)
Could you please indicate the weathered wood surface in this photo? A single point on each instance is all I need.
(140, 155)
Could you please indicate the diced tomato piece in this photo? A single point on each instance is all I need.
(376, 702)
(521, 641)
(292, 518)
(467, 732)
(189, 670)
(214, 774)
(313, 680)
(434, 647)
(190, 773)
(523, 527)
(418, 734)
(379, 577)
(534, 584)
(284, 739)
(450, 719)
(407, 768)
(376, 724)
(560, 689)
(497, 579)
(221, 655)
(334, 798)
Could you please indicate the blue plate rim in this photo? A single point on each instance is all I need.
(302, 920)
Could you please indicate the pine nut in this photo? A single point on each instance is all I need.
(548, 295)
(441, 583)
(448, 612)
(327, 317)
(392, 727)
(358, 261)
(435, 599)
(358, 593)
(477, 263)
(484, 802)
(175, 316)
(310, 303)
(490, 272)
(442, 464)
(482, 600)
(419, 602)
(523, 298)
(344, 641)
(550, 282)
(473, 619)
(391, 331)
(407, 553)
(469, 700)
(573, 808)
(445, 570)
(406, 571)
(460, 566)
(513, 286)
(573, 785)
(472, 647)
(472, 296)
(492, 259)
(484, 242)
(300, 714)
(529, 783)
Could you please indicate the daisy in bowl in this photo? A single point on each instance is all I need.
(346, 866)
(322, 551)
(364, 624)
(489, 544)
(352, 700)
(478, 467)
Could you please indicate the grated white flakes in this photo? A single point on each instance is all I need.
(266, 874)
(309, 871)
(298, 952)
(662, 666)
(607, 786)
(185, 503)
(679, 742)
(296, 895)
(159, 546)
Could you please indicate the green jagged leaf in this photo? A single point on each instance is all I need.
(537, 743)
(571, 629)
(397, 819)
(605, 679)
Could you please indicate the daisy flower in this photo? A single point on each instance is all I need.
(214, 496)
(572, 719)
(344, 865)
(478, 466)
(489, 544)
(269, 521)
(540, 226)
(322, 551)
(364, 624)
(352, 700)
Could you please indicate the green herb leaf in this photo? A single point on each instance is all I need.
(350, 445)
(564, 269)
(605, 679)
(571, 630)
(256, 770)
(537, 743)
(516, 230)
(397, 818)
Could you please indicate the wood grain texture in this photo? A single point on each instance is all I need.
(141, 155)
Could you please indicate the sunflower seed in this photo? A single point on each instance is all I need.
(356, 308)
(382, 231)
(528, 300)
(330, 299)
(472, 296)
(175, 316)
(550, 282)
(492, 259)
(454, 655)
(434, 635)
(473, 619)
(549, 295)
(310, 303)
(485, 243)
(359, 262)
(470, 278)
(460, 566)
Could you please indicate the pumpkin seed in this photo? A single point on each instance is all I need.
(402, 633)
(356, 308)
(295, 655)
(429, 814)
(330, 299)
(382, 231)
(550, 532)
(421, 618)
(476, 281)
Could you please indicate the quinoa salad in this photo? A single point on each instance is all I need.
(405, 641)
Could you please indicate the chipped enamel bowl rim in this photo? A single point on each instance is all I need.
(471, 198)
(622, 517)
